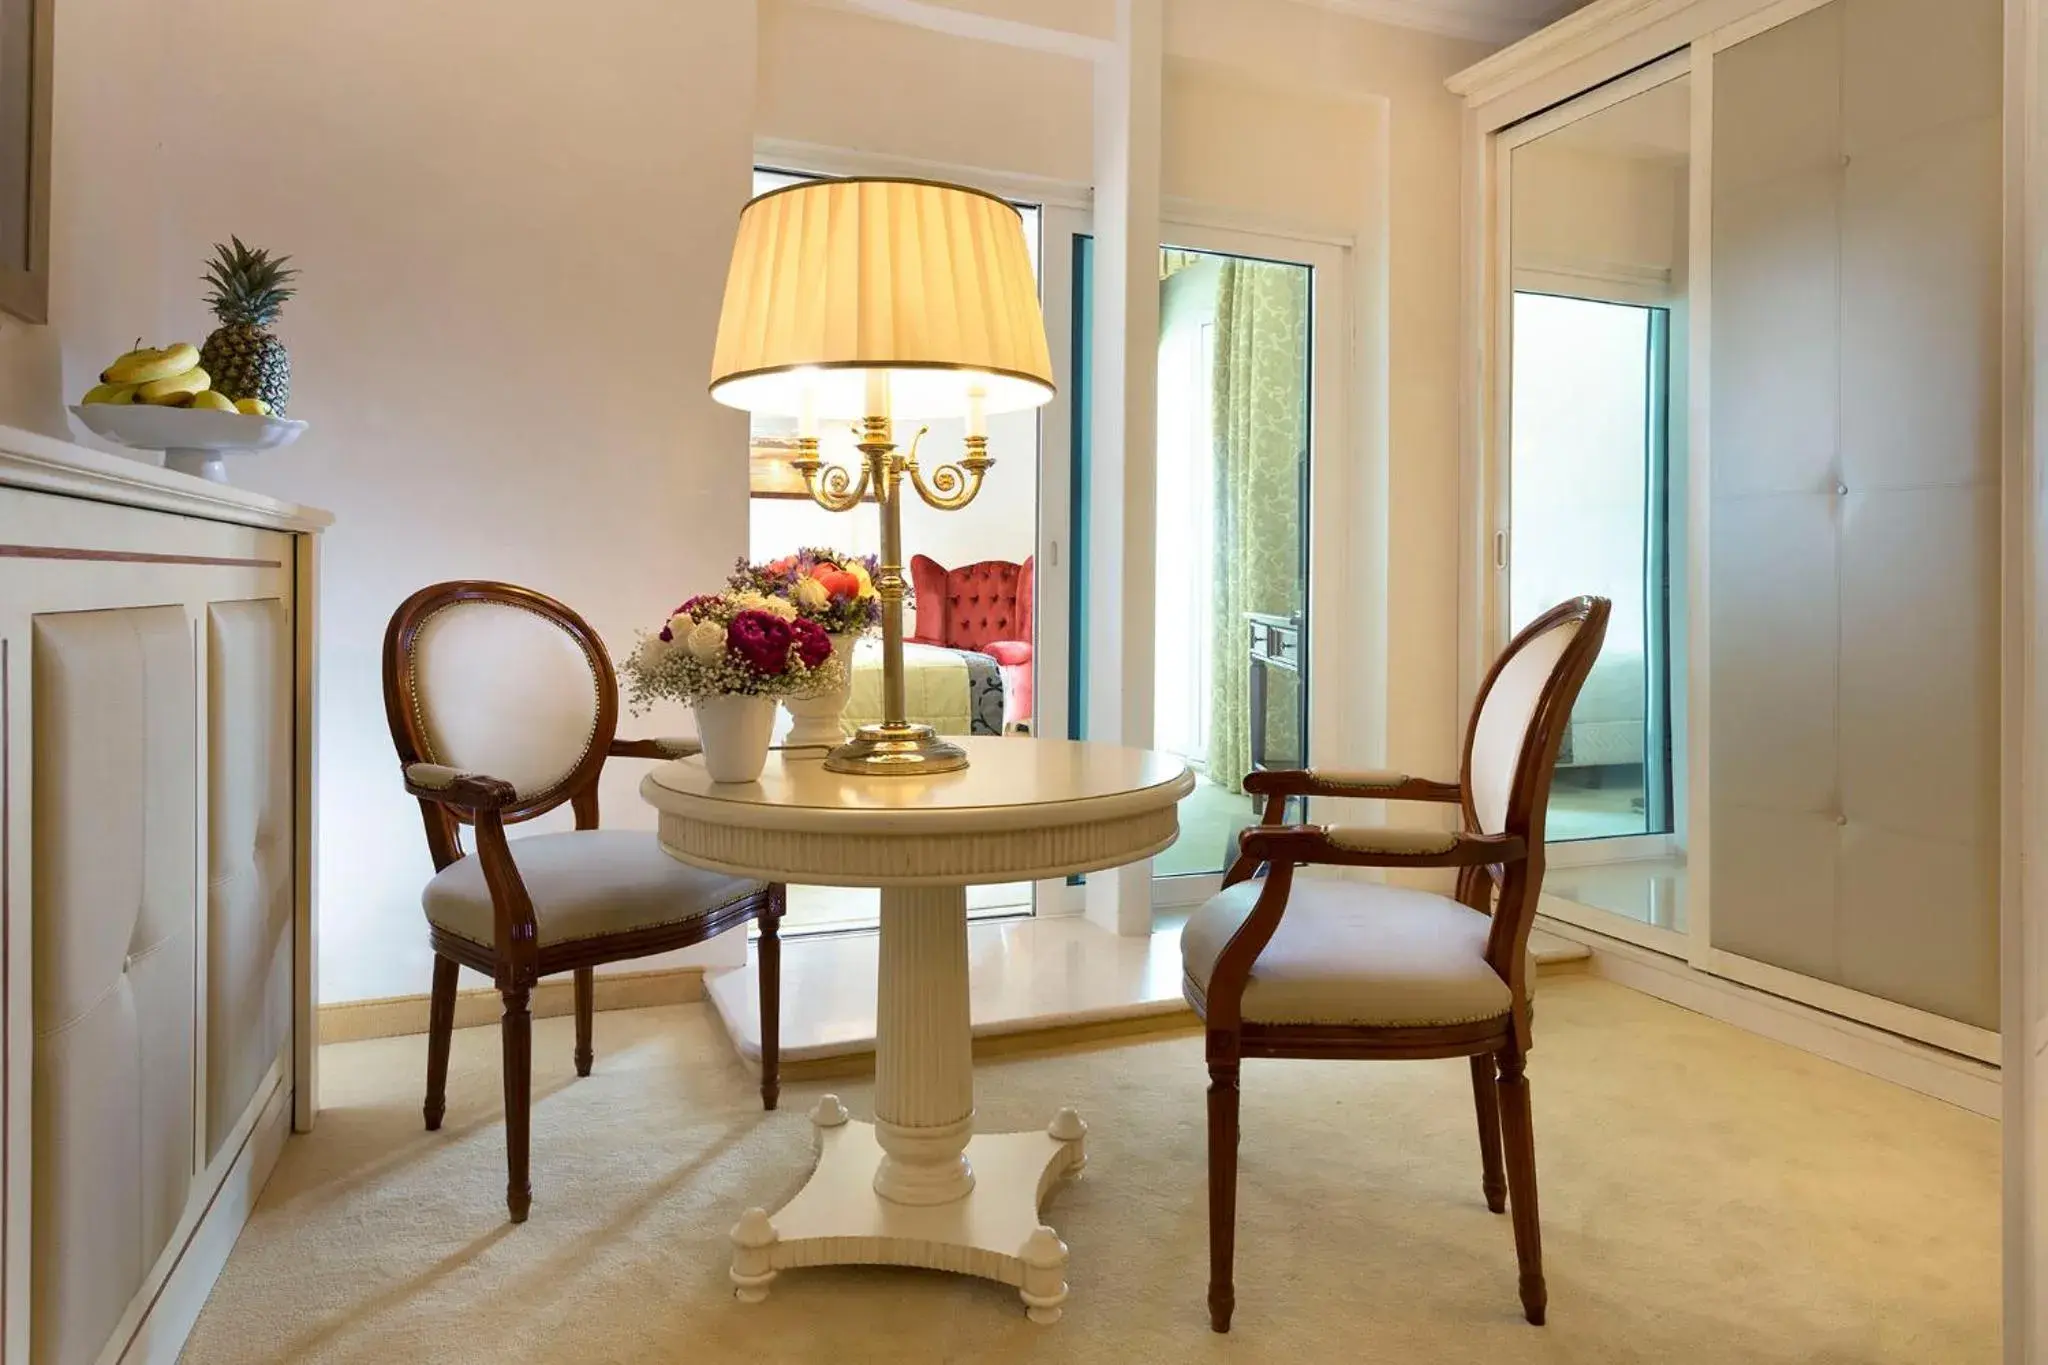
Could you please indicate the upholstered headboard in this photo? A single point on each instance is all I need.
(973, 606)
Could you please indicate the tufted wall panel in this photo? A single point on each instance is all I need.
(249, 858)
(1853, 567)
(114, 962)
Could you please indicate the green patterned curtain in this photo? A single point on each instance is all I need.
(1261, 426)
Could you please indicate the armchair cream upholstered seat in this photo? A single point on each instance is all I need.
(585, 884)
(503, 705)
(1284, 967)
(1356, 953)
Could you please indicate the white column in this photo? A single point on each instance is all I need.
(924, 1053)
(2024, 943)
(1123, 450)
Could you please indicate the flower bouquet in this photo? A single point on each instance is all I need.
(837, 592)
(730, 655)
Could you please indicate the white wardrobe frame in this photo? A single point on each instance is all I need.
(1507, 112)
(1606, 40)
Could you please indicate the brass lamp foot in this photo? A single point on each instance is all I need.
(899, 750)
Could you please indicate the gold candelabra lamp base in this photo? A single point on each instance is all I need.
(899, 749)
(896, 747)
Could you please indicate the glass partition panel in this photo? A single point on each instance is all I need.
(1231, 615)
(1596, 440)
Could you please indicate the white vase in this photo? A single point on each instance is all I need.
(814, 720)
(735, 731)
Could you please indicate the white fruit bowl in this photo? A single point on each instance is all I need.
(193, 440)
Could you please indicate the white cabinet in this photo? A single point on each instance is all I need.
(156, 908)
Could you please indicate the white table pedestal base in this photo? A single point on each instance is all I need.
(992, 1231)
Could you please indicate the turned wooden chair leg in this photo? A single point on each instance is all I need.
(770, 966)
(1486, 1097)
(1520, 1136)
(586, 989)
(516, 1032)
(1222, 1192)
(440, 1032)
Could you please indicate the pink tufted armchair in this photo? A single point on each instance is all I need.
(984, 607)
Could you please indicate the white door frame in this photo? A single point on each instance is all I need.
(1332, 628)
(1334, 625)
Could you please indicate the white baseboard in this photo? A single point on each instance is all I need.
(352, 1021)
(158, 1336)
(1962, 1081)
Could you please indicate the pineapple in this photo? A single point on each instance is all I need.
(244, 359)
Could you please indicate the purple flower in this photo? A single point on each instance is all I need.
(813, 645)
(668, 637)
(760, 640)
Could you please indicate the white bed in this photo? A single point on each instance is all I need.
(953, 691)
(1607, 723)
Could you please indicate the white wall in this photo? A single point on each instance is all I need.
(514, 238)
(865, 84)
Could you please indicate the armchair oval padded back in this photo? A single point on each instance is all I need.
(1519, 718)
(973, 606)
(498, 679)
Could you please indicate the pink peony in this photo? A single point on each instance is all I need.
(813, 645)
(760, 640)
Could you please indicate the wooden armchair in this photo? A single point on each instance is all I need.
(504, 705)
(1279, 967)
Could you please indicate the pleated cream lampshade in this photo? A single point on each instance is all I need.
(837, 285)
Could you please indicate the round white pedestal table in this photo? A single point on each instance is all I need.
(918, 1186)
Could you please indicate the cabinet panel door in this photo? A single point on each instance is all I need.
(115, 846)
(77, 579)
(249, 853)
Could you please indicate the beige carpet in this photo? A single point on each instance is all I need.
(1707, 1196)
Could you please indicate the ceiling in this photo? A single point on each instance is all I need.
(1499, 21)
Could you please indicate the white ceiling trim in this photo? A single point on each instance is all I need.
(1473, 19)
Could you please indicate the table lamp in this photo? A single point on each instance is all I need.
(872, 300)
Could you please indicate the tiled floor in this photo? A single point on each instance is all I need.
(1650, 891)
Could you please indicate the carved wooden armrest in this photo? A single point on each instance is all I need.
(454, 787)
(514, 932)
(1376, 783)
(1377, 846)
(664, 746)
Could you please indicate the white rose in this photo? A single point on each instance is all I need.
(706, 640)
(680, 625)
(653, 650)
(810, 595)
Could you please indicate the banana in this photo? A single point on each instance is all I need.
(109, 393)
(107, 375)
(255, 407)
(213, 402)
(177, 389)
(148, 366)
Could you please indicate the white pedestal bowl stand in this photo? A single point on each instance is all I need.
(193, 440)
(918, 1186)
